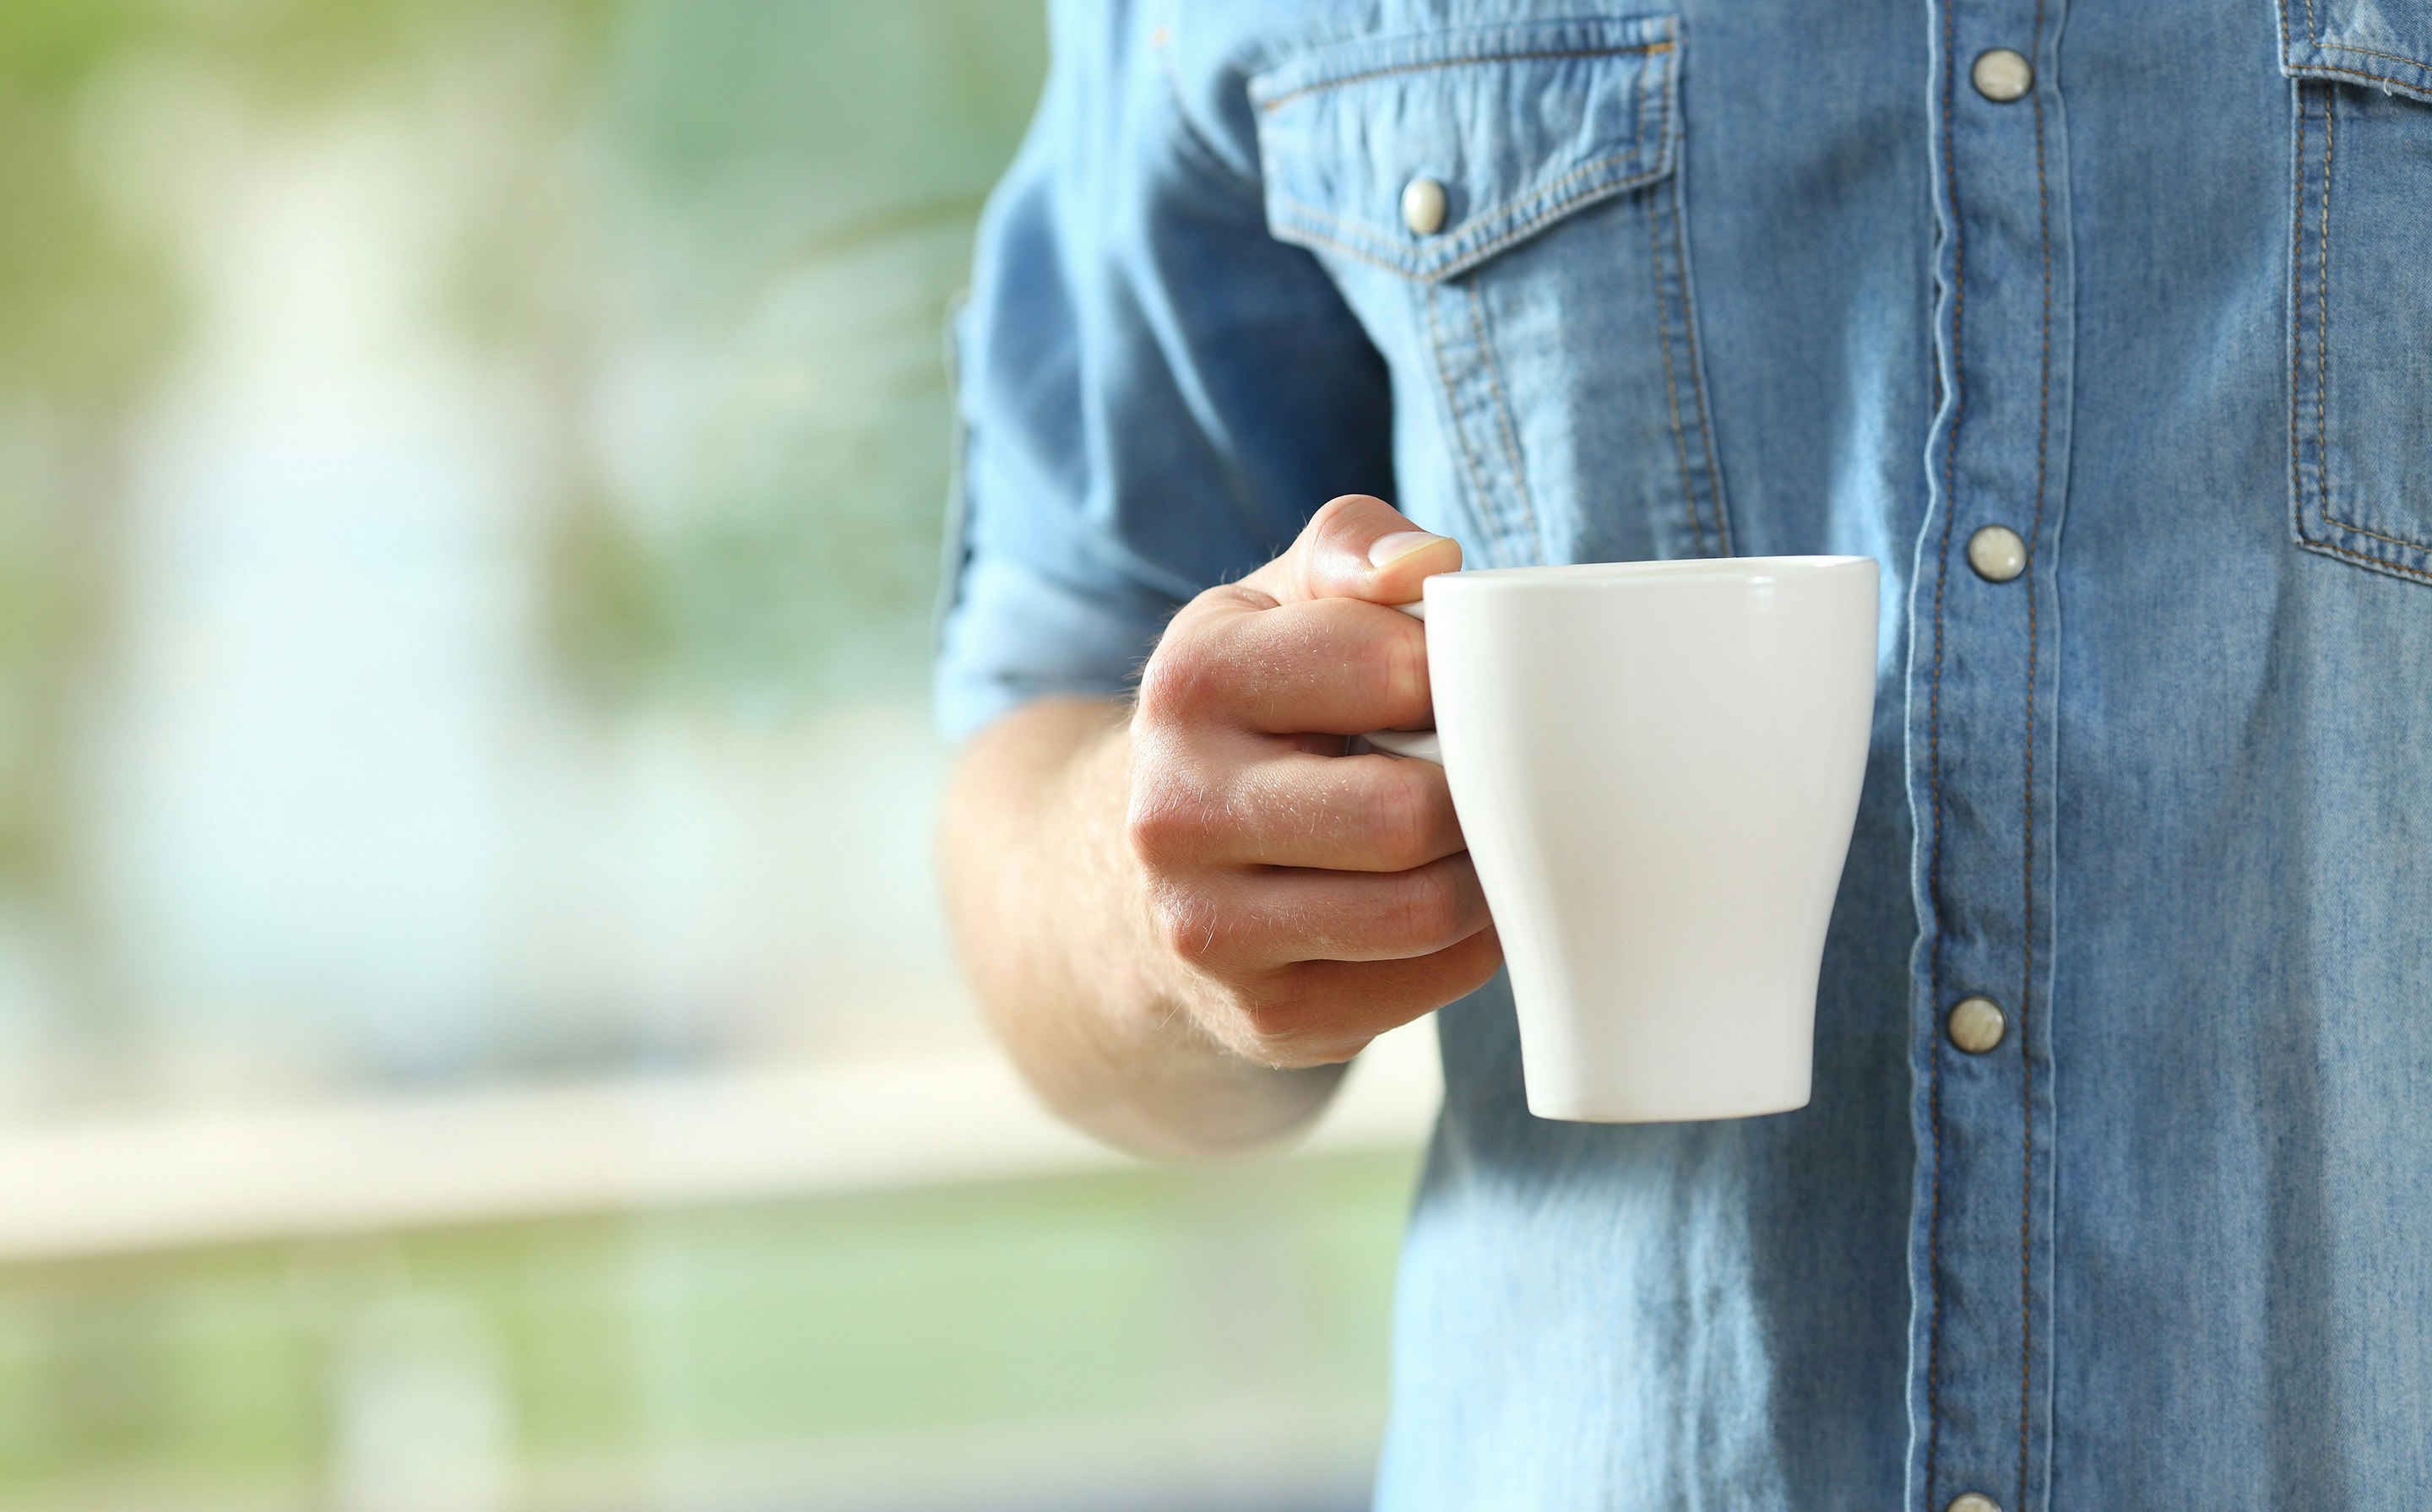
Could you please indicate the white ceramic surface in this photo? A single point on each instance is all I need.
(1657, 766)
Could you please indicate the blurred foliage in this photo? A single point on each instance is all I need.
(1111, 1314)
(92, 314)
(800, 563)
(289, 52)
(86, 306)
(771, 200)
(778, 131)
(795, 190)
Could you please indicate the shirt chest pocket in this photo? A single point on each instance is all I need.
(1501, 207)
(2361, 288)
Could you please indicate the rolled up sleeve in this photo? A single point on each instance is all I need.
(1154, 394)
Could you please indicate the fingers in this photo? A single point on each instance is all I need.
(1329, 666)
(1310, 900)
(1232, 924)
(1357, 546)
(1293, 808)
(1298, 646)
(1316, 1013)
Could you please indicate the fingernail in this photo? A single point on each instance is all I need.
(1387, 548)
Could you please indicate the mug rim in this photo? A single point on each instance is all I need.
(1589, 573)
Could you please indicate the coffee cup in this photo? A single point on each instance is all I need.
(1656, 767)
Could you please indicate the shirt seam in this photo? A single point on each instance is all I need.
(1663, 307)
(2316, 69)
(2322, 326)
(2369, 559)
(2027, 840)
(1697, 368)
(1528, 522)
(2301, 328)
(1473, 59)
(2314, 37)
(2323, 348)
(1483, 509)
(2367, 52)
(1671, 385)
(1353, 240)
(1933, 762)
(2414, 86)
(2297, 324)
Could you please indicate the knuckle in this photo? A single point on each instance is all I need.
(1405, 668)
(1181, 680)
(1402, 819)
(1344, 513)
(1329, 515)
(1331, 539)
(1393, 665)
(1427, 911)
(1277, 1014)
(1182, 807)
(1191, 925)
(1162, 827)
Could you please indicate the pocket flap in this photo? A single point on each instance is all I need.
(1519, 125)
(2386, 43)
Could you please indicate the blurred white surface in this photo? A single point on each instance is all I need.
(372, 1166)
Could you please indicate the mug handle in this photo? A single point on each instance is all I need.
(1419, 742)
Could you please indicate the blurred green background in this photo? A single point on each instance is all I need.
(1143, 1341)
(470, 483)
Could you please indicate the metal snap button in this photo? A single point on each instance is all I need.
(1423, 206)
(1974, 1502)
(1976, 1025)
(1997, 553)
(2001, 75)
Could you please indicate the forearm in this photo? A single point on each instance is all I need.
(1048, 912)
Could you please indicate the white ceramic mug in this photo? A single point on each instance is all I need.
(1655, 766)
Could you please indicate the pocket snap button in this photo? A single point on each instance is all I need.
(1423, 206)
(2001, 75)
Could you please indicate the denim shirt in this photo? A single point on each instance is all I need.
(1767, 276)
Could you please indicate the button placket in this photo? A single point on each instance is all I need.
(1980, 770)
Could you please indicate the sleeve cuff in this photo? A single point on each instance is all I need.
(1015, 634)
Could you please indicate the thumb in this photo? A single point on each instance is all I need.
(1358, 547)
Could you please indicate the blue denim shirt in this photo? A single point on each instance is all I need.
(1767, 275)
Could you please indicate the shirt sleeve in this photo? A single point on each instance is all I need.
(1155, 395)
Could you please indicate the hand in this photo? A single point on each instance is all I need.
(1303, 901)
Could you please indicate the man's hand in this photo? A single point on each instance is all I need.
(1162, 907)
(1305, 900)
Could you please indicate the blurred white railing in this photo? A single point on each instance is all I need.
(134, 1186)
